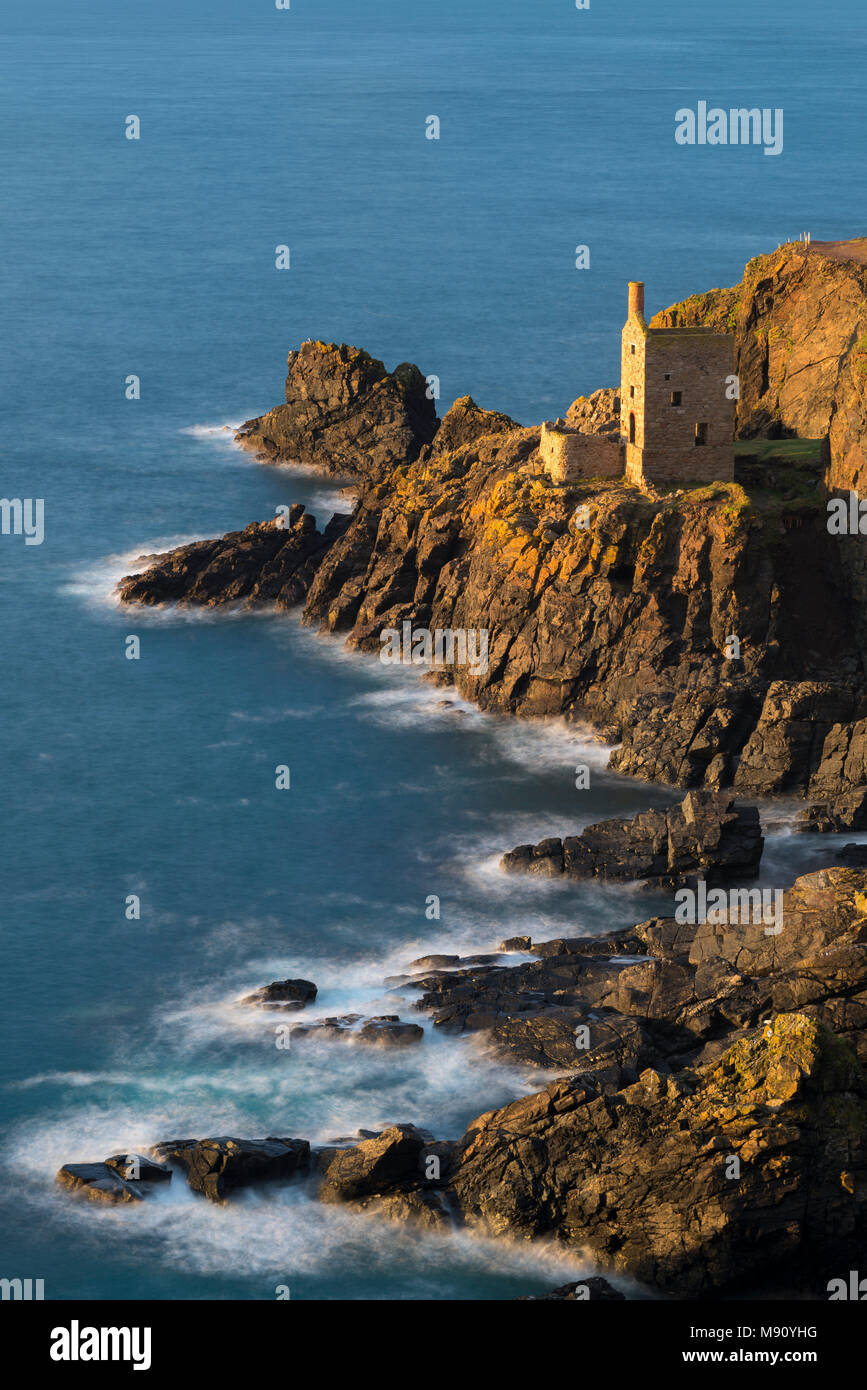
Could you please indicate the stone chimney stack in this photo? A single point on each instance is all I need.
(636, 298)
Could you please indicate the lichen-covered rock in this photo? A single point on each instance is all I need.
(626, 621)
(598, 413)
(345, 414)
(799, 317)
(750, 1166)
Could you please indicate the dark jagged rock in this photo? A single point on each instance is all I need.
(592, 1290)
(267, 562)
(846, 812)
(713, 1132)
(809, 737)
(345, 414)
(288, 995)
(385, 1030)
(707, 836)
(853, 856)
(625, 622)
(390, 1032)
(665, 992)
(216, 1167)
(433, 962)
(626, 1175)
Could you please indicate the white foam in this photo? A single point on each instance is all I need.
(97, 582)
(220, 434)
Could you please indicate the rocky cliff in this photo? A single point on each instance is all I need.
(799, 317)
(717, 632)
(622, 613)
(706, 1133)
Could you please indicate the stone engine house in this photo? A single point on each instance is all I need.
(676, 419)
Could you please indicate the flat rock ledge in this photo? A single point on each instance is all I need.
(707, 836)
(213, 1168)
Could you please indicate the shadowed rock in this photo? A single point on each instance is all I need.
(707, 837)
(266, 563)
(345, 414)
(286, 995)
(216, 1167)
(592, 1290)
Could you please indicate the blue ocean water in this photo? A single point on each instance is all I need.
(155, 777)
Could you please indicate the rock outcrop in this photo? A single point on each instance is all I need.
(384, 1030)
(707, 836)
(466, 422)
(682, 625)
(799, 317)
(345, 414)
(120, 1179)
(286, 995)
(710, 1180)
(724, 1150)
(707, 1131)
(670, 993)
(216, 1167)
(598, 413)
(593, 1290)
(845, 812)
(268, 562)
(718, 631)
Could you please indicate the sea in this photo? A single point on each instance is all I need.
(144, 318)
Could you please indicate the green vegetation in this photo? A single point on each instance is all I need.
(799, 453)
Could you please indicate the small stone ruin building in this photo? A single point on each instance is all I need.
(677, 410)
